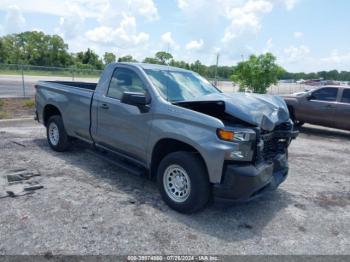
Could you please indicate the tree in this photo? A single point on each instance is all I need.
(258, 73)
(151, 60)
(198, 67)
(88, 60)
(3, 54)
(163, 57)
(35, 48)
(109, 58)
(127, 58)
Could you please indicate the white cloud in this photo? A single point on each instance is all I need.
(269, 46)
(194, 44)
(182, 4)
(168, 41)
(243, 17)
(296, 53)
(290, 4)
(298, 34)
(336, 58)
(14, 20)
(70, 26)
(88, 8)
(146, 8)
(125, 35)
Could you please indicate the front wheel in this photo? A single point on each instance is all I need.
(56, 134)
(183, 182)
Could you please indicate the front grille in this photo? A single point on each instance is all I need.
(270, 147)
(270, 144)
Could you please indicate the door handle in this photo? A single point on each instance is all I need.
(104, 106)
(330, 106)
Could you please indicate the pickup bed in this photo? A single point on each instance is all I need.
(175, 127)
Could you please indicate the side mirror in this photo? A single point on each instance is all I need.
(135, 99)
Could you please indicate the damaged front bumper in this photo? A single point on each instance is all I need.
(244, 182)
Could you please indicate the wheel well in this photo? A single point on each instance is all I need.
(165, 147)
(50, 110)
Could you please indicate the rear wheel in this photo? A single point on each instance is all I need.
(183, 182)
(56, 134)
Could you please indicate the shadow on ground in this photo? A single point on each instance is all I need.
(229, 222)
(324, 132)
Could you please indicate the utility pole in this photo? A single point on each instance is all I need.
(216, 69)
(23, 86)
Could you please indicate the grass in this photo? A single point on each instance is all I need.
(16, 108)
(3, 115)
(30, 103)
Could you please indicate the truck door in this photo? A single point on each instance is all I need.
(342, 116)
(122, 127)
(319, 108)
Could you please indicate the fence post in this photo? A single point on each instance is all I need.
(23, 87)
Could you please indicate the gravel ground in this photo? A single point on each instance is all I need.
(88, 206)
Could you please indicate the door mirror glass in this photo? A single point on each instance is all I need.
(135, 99)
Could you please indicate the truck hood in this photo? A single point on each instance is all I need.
(265, 111)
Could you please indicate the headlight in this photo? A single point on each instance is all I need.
(229, 135)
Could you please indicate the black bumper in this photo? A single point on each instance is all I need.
(244, 182)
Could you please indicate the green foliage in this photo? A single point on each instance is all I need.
(127, 58)
(88, 60)
(1, 103)
(223, 72)
(163, 57)
(109, 58)
(34, 48)
(151, 60)
(3, 54)
(257, 73)
(180, 64)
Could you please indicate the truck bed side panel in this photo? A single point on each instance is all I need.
(73, 104)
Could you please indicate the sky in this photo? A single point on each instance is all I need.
(304, 35)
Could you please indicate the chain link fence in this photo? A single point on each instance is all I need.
(19, 80)
(279, 89)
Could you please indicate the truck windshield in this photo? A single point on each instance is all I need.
(178, 86)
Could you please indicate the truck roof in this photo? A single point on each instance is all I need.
(154, 66)
(336, 86)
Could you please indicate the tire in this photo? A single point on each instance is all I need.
(188, 172)
(56, 134)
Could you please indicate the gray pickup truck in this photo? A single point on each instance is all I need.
(175, 127)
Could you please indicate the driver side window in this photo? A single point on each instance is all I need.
(325, 94)
(124, 80)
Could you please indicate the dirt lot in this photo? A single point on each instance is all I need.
(88, 206)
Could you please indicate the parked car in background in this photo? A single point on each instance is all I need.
(326, 106)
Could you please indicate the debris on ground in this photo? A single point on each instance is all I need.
(19, 182)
